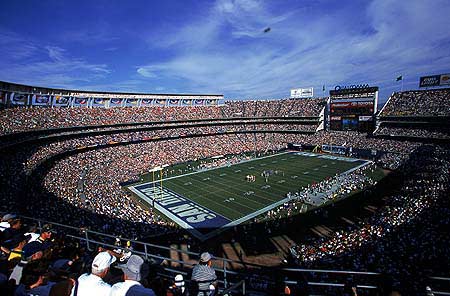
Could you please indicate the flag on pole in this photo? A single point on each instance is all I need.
(399, 78)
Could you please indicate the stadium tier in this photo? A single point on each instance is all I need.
(416, 114)
(39, 111)
(254, 181)
(418, 103)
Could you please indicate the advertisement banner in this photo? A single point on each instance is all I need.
(3, 97)
(427, 81)
(365, 118)
(211, 102)
(61, 101)
(445, 79)
(160, 102)
(130, 102)
(187, 102)
(98, 102)
(115, 102)
(40, 100)
(174, 102)
(302, 93)
(199, 102)
(146, 102)
(19, 99)
(80, 102)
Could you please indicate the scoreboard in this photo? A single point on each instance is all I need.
(353, 109)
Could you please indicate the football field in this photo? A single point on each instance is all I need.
(209, 199)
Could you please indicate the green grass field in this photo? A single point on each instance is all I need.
(225, 190)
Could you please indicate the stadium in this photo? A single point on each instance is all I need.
(334, 194)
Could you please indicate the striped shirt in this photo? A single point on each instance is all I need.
(204, 275)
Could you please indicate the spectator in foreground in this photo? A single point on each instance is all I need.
(5, 223)
(30, 252)
(134, 271)
(205, 276)
(33, 281)
(93, 284)
(46, 233)
(178, 288)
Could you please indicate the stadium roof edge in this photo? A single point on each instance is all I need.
(31, 87)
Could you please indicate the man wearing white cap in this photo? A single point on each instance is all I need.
(5, 223)
(133, 272)
(205, 276)
(93, 284)
(178, 288)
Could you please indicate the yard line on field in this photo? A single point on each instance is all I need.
(219, 167)
(225, 193)
(221, 187)
(214, 202)
(250, 203)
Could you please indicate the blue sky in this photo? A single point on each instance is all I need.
(220, 47)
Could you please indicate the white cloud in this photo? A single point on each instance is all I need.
(44, 65)
(227, 51)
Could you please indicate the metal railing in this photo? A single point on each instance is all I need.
(229, 278)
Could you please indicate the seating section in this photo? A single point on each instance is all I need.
(38, 118)
(397, 231)
(416, 114)
(419, 103)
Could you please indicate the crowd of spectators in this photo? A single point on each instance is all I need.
(101, 191)
(386, 242)
(91, 181)
(346, 138)
(318, 194)
(418, 103)
(38, 118)
(355, 140)
(53, 148)
(435, 133)
(100, 179)
(48, 262)
(275, 108)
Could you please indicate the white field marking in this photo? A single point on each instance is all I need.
(278, 203)
(204, 237)
(305, 173)
(316, 169)
(294, 177)
(212, 200)
(237, 171)
(221, 186)
(211, 169)
(223, 174)
(281, 181)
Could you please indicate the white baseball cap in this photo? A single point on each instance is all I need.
(179, 281)
(102, 261)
